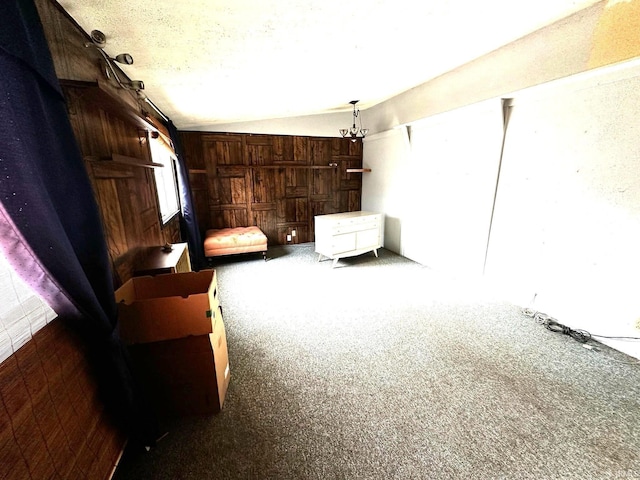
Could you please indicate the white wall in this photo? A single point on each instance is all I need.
(566, 226)
(567, 220)
(452, 175)
(384, 188)
(435, 182)
(551, 53)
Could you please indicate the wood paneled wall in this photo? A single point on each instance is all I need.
(108, 120)
(276, 182)
(52, 424)
(126, 194)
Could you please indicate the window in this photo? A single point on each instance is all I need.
(22, 311)
(166, 183)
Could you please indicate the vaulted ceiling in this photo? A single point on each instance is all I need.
(208, 62)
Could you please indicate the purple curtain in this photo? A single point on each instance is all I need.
(188, 220)
(50, 229)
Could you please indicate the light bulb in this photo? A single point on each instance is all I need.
(124, 58)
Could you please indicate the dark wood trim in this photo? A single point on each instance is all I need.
(96, 95)
(131, 161)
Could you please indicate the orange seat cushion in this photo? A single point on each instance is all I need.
(227, 241)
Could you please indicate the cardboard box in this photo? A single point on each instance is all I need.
(185, 376)
(177, 342)
(168, 306)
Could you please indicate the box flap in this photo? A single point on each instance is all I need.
(168, 306)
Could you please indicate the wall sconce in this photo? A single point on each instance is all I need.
(99, 40)
(354, 131)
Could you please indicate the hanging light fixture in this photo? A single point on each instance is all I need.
(354, 131)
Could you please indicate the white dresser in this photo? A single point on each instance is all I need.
(347, 234)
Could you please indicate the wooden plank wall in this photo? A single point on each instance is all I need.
(52, 424)
(276, 182)
(126, 194)
(108, 120)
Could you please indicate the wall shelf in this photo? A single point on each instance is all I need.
(93, 93)
(137, 162)
(132, 161)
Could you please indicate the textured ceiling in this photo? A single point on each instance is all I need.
(205, 62)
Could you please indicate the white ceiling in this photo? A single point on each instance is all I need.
(207, 62)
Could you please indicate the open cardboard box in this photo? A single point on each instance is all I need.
(185, 376)
(173, 325)
(167, 306)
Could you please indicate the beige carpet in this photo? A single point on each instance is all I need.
(380, 369)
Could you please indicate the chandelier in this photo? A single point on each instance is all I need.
(354, 131)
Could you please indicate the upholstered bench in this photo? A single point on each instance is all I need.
(230, 241)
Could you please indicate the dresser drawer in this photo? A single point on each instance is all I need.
(355, 227)
(341, 222)
(368, 239)
(343, 243)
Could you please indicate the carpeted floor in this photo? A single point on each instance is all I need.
(380, 369)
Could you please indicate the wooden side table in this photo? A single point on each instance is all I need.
(157, 260)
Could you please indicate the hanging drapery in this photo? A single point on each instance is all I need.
(50, 229)
(188, 220)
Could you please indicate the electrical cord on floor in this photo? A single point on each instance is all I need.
(553, 325)
(581, 336)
